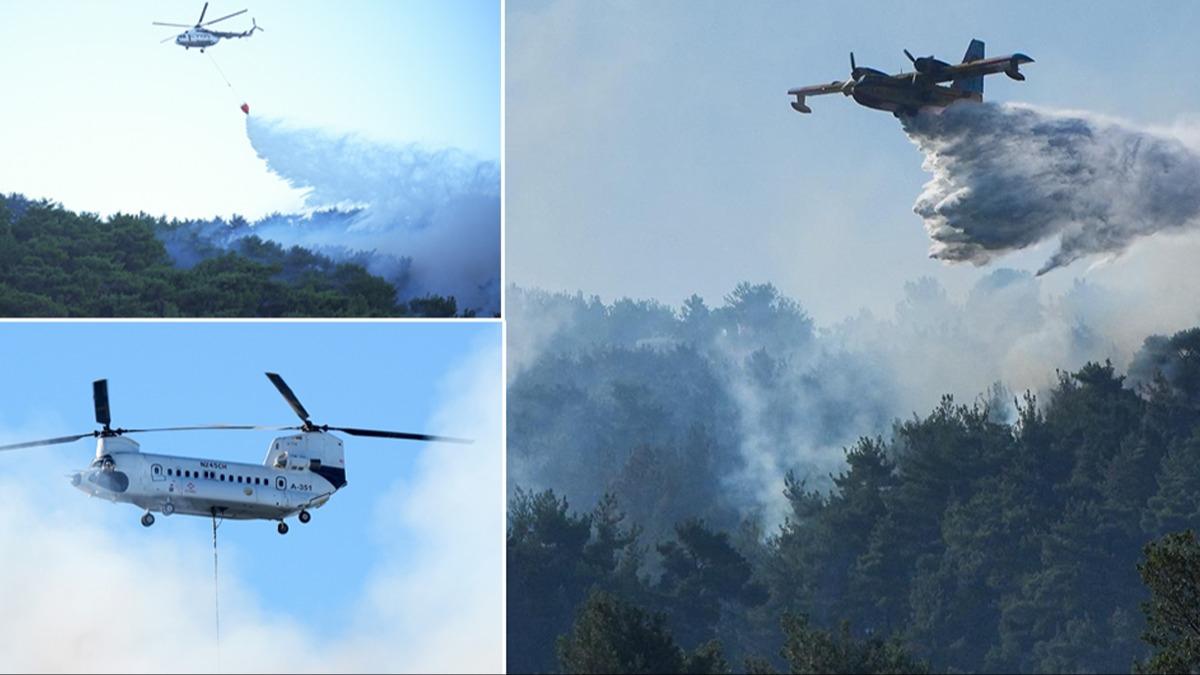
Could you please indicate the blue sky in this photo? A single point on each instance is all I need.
(652, 152)
(423, 377)
(102, 117)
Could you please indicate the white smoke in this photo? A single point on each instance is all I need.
(438, 207)
(1006, 177)
(855, 377)
(84, 589)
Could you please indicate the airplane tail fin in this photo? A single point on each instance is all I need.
(971, 84)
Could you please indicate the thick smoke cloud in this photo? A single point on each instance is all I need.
(733, 397)
(1006, 177)
(426, 220)
(438, 208)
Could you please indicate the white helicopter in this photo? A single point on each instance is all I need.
(200, 37)
(300, 472)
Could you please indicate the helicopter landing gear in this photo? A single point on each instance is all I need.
(168, 509)
(282, 527)
(305, 516)
(147, 520)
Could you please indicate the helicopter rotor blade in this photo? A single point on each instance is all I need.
(288, 395)
(376, 433)
(168, 39)
(100, 400)
(48, 441)
(202, 13)
(227, 16)
(176, 25)
(206, 427)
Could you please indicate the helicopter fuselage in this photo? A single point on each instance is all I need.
(196, 37)
(284, 485)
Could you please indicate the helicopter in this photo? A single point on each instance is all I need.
(201, 37)
(300, 472)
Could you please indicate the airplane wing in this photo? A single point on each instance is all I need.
(834, 87)
(997, 64)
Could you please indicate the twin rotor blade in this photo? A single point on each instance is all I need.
(298, 408)
(104, 418)
(375, 433)
(290, 396)
(100, 401)
(49, 441)
(120, 432)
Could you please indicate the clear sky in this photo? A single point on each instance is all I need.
(403, 561)
(101, 117)
(652, 152)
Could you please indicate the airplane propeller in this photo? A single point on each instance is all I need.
(308, 426)
(925, 65)
(848, 85)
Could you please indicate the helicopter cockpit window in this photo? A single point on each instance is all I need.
(105, 462)
(281, 460)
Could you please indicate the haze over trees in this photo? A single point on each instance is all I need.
(1007, 533)
(56, 263)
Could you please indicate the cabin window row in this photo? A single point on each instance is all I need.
(213, 475)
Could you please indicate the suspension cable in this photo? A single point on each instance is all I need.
(216, 588)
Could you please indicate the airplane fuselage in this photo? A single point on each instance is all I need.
(903, 97)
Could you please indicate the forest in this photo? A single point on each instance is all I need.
(57, 263)
(1043, 531)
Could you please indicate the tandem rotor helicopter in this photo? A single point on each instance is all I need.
(300, 472)
(200, 37)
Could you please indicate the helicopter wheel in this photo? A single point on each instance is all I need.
(305, 516)
(147, 520)
(283, 528)
(168, 509)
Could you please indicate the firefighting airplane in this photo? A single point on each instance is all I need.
(300, 472)
(906, 93)
(201, 37)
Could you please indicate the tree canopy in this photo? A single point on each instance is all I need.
(996, 535)
(57, 263)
